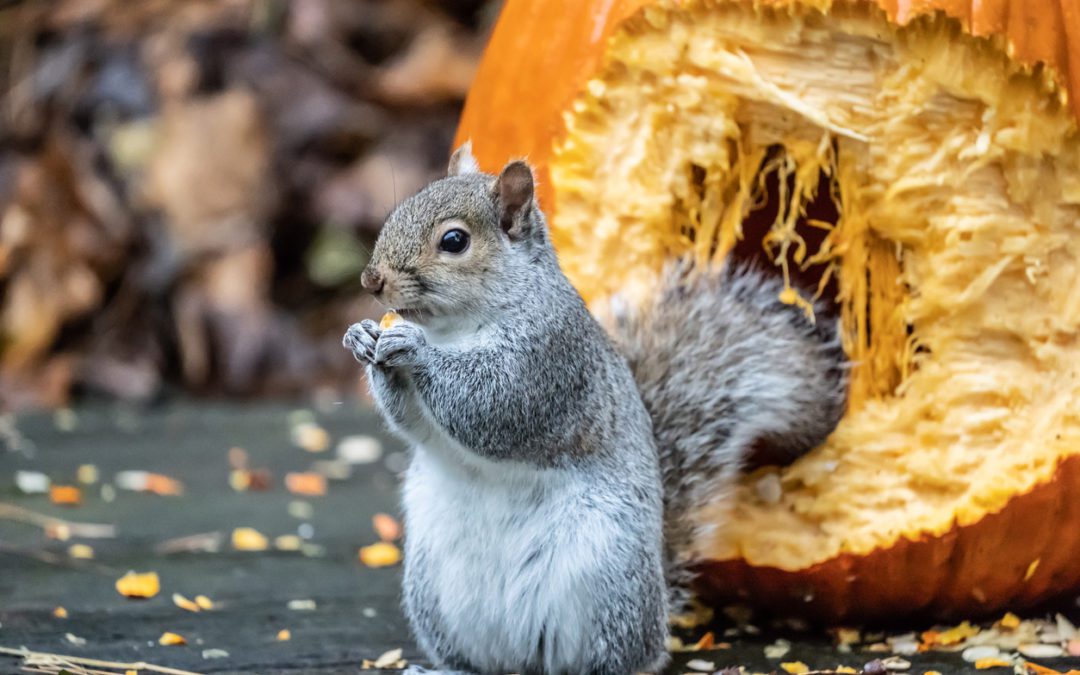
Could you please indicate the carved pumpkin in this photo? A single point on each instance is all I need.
(941, 138)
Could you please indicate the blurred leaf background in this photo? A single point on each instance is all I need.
(189, 188)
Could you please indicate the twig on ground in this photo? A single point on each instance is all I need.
(51, 523)
(44, 662)
(206, 542)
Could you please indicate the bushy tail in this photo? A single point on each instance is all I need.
(724, 367)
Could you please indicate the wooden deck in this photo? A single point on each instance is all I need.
(356, 614)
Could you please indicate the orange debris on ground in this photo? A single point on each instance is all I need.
(984, 664)
(386, 526)
(65, 495)
(133, 585)
(382, 554)
(308, 484)
(249, 539)
(163, 485)
(183, 603)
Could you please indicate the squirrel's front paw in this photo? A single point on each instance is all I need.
(399, 345)
(361, 339)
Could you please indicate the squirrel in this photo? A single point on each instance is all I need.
(554, 467)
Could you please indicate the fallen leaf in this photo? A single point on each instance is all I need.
(1041, 651)
(163, 485)
(778, 649)
(386, 527)
(847, 670)
(74, 639)
(144, 481)
(388, 659)
(895, 663)
(301, 510)
(58, 531)
(306, 484)
(60, 613)
(980, 653)
(239, 479)
(65, 495)
(238, 458)
(795, 667)
(333, 469)
(169, 639)
(359, 449)
(701, 665)
(133, 585)
(248, 539)
(381, 554)
(952, 636)
(707, 641)
(65, 419)
(87, 474)
(302, 605)
(284, 635)
(288, 542)
(80, 552)
(845, 637)
(1036, 669)
(985, 664)
(1009, 621)
(183, 603)
(204, 602)
(310, 437)
(32, 482)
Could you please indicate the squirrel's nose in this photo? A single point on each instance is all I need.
(372, 280)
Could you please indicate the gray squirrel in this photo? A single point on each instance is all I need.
(552, 471)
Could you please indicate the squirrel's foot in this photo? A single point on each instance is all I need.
(400, 345)
(361, 339)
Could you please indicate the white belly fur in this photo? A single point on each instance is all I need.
(479, 523)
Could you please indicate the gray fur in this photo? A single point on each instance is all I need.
(534, 501)
(722, 365)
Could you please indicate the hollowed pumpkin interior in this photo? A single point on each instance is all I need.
(950, 246)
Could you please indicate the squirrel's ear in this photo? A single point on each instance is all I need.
(514, 188)
(462, 161)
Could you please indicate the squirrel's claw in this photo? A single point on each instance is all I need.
(361, 342)
(399, 345)
(371, 327)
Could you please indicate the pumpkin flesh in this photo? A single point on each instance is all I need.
(955, 258)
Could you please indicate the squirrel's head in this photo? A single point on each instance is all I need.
(460, 244)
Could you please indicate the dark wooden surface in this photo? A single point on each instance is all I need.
(357, 615)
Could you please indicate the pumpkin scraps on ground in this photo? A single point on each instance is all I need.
(1011, 643)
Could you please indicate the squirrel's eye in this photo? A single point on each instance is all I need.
(454, 241)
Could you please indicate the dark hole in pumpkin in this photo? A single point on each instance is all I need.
(757, 223)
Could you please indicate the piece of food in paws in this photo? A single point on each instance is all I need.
(389, 319)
